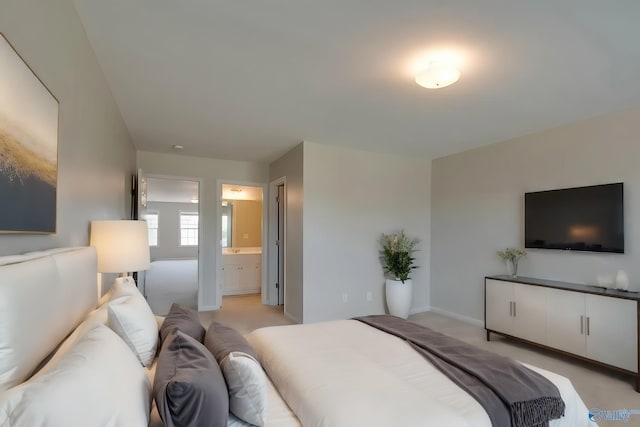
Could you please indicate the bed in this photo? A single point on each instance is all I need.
(171, 280)
(339, 373)
(344, 373)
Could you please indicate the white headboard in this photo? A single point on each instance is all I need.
(43, 296)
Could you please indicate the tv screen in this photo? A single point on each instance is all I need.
(577, 219)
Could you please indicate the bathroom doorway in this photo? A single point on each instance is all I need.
(242, 231)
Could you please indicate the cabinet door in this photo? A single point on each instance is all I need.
(612, 333)
(566, 321)
(230, 274)
(498, 306)
(244, 278)
(529, 312)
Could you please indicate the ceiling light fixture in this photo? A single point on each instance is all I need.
(236, 190)
(177, 147)
(437, 75)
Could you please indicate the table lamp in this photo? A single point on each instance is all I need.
(122, 246)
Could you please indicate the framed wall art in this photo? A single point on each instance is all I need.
(28, 147)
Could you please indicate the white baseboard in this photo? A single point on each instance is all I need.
(209, 308)
(417, 310)
(290, 317)
(465, 319)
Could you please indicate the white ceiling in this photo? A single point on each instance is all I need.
(248, 80)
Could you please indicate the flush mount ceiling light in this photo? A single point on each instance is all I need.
(177, 147)
(437, 75)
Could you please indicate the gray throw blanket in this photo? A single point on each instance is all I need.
(512, 395)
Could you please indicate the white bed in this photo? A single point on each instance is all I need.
(171, 280)
(340, 373)
(346, 373)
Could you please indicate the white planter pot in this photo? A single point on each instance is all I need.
(399, 297)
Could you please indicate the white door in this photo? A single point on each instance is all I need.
(566, 321)
(139, 211)
(529, 311)
(612, 331)
(499, 306)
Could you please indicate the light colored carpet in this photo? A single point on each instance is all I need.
(245, 313)
(599, 387)
(169, 281)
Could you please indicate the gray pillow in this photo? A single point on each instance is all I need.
(188, 387)
(246, 381)
(183, 319)
(222, 340)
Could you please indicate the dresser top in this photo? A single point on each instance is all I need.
(577, 287)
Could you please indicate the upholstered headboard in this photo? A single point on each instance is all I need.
(43, 296)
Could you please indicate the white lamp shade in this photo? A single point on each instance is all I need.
(122, 246)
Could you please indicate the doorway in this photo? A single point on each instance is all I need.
(280, 242)
(242, 231)
(277, 242)
(173, 218)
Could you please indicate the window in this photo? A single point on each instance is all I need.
(188, 229)
(152, 225)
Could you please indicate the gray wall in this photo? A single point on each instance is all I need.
(210, 171)
(339, 202)
(478, 207)
(95, 155)
(351, 197)
(291, 166)
(169, 230)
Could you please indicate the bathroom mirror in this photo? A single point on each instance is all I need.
(241, 223)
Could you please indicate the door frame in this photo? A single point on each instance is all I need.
(219, 275)
(273, 236)
(201, 303)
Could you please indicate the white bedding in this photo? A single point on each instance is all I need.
(345, 373)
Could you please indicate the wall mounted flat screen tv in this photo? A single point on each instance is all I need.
(577, 219)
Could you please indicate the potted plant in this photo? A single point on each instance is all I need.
(511, 256)
(397, 259)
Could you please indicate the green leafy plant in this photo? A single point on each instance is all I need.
(397, 251)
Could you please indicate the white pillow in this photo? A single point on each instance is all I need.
(122, 286)
(132, 319)
(247, 387)
(98, 382)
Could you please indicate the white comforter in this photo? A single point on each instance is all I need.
(345, 373)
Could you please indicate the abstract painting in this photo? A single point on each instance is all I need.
(28, 148)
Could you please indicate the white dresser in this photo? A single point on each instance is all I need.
(590, 323)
